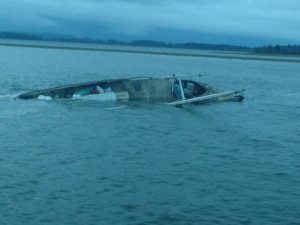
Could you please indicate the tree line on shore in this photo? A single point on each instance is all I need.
(270, 49)
(279, 49)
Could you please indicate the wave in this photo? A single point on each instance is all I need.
(9, 96)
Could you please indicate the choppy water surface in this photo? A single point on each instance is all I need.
(81, 163)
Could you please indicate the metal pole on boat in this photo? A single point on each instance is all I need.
(205, 97)
(181, 89)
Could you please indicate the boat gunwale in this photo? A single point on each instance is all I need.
(29, 94)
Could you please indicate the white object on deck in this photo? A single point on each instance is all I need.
(205, 97)
(99, 89)
(76, 96)
(109, 96)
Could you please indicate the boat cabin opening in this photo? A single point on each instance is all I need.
(189, 88)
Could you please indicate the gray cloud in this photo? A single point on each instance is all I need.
(175, 20)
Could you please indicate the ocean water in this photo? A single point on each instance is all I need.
(65, 162)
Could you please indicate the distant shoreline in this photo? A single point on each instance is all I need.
(267, 50)
(216, 54)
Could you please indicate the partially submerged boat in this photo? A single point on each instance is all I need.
(171, 90)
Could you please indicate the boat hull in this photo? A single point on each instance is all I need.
(164, 89)
(138, 89)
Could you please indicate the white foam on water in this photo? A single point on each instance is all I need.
(117, 107)
(9, 96)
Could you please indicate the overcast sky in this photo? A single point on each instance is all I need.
(246, 22)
